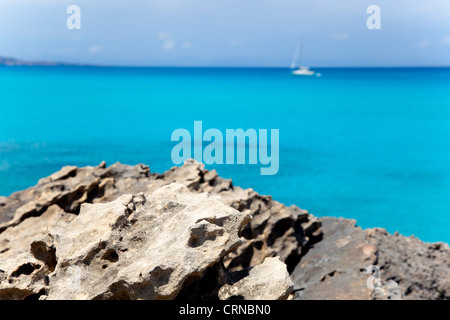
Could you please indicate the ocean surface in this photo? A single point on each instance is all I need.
(367, 144)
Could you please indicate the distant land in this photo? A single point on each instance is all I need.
(7, 61)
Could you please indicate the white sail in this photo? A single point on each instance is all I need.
(296, 55)
(301, 70)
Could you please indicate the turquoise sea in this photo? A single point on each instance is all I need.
(367, 144)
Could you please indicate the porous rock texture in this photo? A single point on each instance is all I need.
(143, 247)
(403, 267)
(267, 281)
(327, 258)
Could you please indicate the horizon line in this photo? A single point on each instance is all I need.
(215, 67)
(10, 61)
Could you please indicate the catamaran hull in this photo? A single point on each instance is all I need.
(303, 73)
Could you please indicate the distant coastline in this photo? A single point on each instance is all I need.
(8, 61)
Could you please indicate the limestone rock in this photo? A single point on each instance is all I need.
(25, 259)
(142, 246)
(422, 270)
(337, 266)
(70, 187)
(275, 230)
(267, 281)
(66, 188)
(327, 257)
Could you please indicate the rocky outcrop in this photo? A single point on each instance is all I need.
(275, 230)
(135, 247)
(143, 247)
(75, 229)
(267, 281)
(25, 261)
(422, 270)
(351, 263)
(335, 267)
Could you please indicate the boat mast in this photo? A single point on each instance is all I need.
(295, 58)
(301, 53)
(297, 55)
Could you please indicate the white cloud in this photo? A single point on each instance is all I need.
(339, 36)
(95, 49)
(445, 41)
(163, 35)
(168, 45)
(166, 38)
(425, 43)
(187, 45)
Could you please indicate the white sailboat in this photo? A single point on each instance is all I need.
(301, 70)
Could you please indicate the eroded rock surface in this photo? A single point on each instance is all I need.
(143, 247)
(25, 258)
(422, 270)
(267, 281)
(403, 267)
(327, 257)
(275, 230)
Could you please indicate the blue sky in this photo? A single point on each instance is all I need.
(228, 32)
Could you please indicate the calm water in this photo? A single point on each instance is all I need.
(367, 144)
